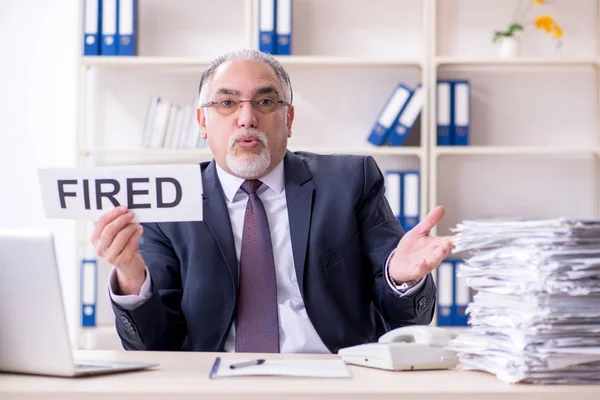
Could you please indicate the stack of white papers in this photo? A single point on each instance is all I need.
(535, 316)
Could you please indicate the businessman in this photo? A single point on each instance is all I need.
(297, 252)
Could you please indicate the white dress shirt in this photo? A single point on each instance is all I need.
(296, 333)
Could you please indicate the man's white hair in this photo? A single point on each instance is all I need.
(245, 54)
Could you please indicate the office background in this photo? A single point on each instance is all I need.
(533, 126)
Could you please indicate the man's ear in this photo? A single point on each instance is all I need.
(290, 120)
(201, 117)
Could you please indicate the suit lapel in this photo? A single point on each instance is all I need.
(216, 217)
(299, 190)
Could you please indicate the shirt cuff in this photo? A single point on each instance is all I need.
(396, 288)
(129, 302)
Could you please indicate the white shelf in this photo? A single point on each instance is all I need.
(205, 151)
(309, 61)
(119, 61)
(367, 150)
(144, 152)
(346, 61)
(519, 61)
(513, 150)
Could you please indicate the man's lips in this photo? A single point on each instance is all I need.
(248, 142)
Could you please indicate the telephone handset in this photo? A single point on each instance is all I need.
(430, 335)
(416, 347)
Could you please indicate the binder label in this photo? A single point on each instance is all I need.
(91, 19)
(126, 17)
(391, 111)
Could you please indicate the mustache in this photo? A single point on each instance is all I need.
(252, 132)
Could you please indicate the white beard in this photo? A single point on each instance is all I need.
(249, 165)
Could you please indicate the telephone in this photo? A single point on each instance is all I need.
(417, 347)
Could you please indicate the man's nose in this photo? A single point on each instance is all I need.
(247, 116)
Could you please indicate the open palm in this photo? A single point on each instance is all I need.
(418, 253)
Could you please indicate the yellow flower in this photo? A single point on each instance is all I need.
(544, 22)
(548, 24)
(538, 1)
(557, 32)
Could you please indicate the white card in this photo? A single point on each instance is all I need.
(155, 193)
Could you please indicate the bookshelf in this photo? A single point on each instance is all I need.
(520, 162)
(185, 62)
(375, 151)
(520, 61)
(511, 150)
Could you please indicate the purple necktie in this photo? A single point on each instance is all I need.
(257, 323)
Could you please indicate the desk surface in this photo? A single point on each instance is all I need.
(185, 376)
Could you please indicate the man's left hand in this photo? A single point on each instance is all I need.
(417, 253)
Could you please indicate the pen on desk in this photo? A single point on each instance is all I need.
(247, 364)
(215, 368)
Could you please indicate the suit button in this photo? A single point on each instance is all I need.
(421, 304)
(127, 323)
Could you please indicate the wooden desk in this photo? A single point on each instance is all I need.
(185, 376)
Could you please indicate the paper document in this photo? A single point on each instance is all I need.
(535, 317)
(155, 193)
(304, 368)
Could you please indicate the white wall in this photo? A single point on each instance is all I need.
(38, 76)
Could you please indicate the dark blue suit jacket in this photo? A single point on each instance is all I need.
(342, 230)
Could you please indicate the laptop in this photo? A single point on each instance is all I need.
(34, 336)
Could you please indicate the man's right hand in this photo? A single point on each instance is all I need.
(116, 239)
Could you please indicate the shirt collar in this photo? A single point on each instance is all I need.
(274, 180)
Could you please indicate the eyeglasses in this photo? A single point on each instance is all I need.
(228, 106)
